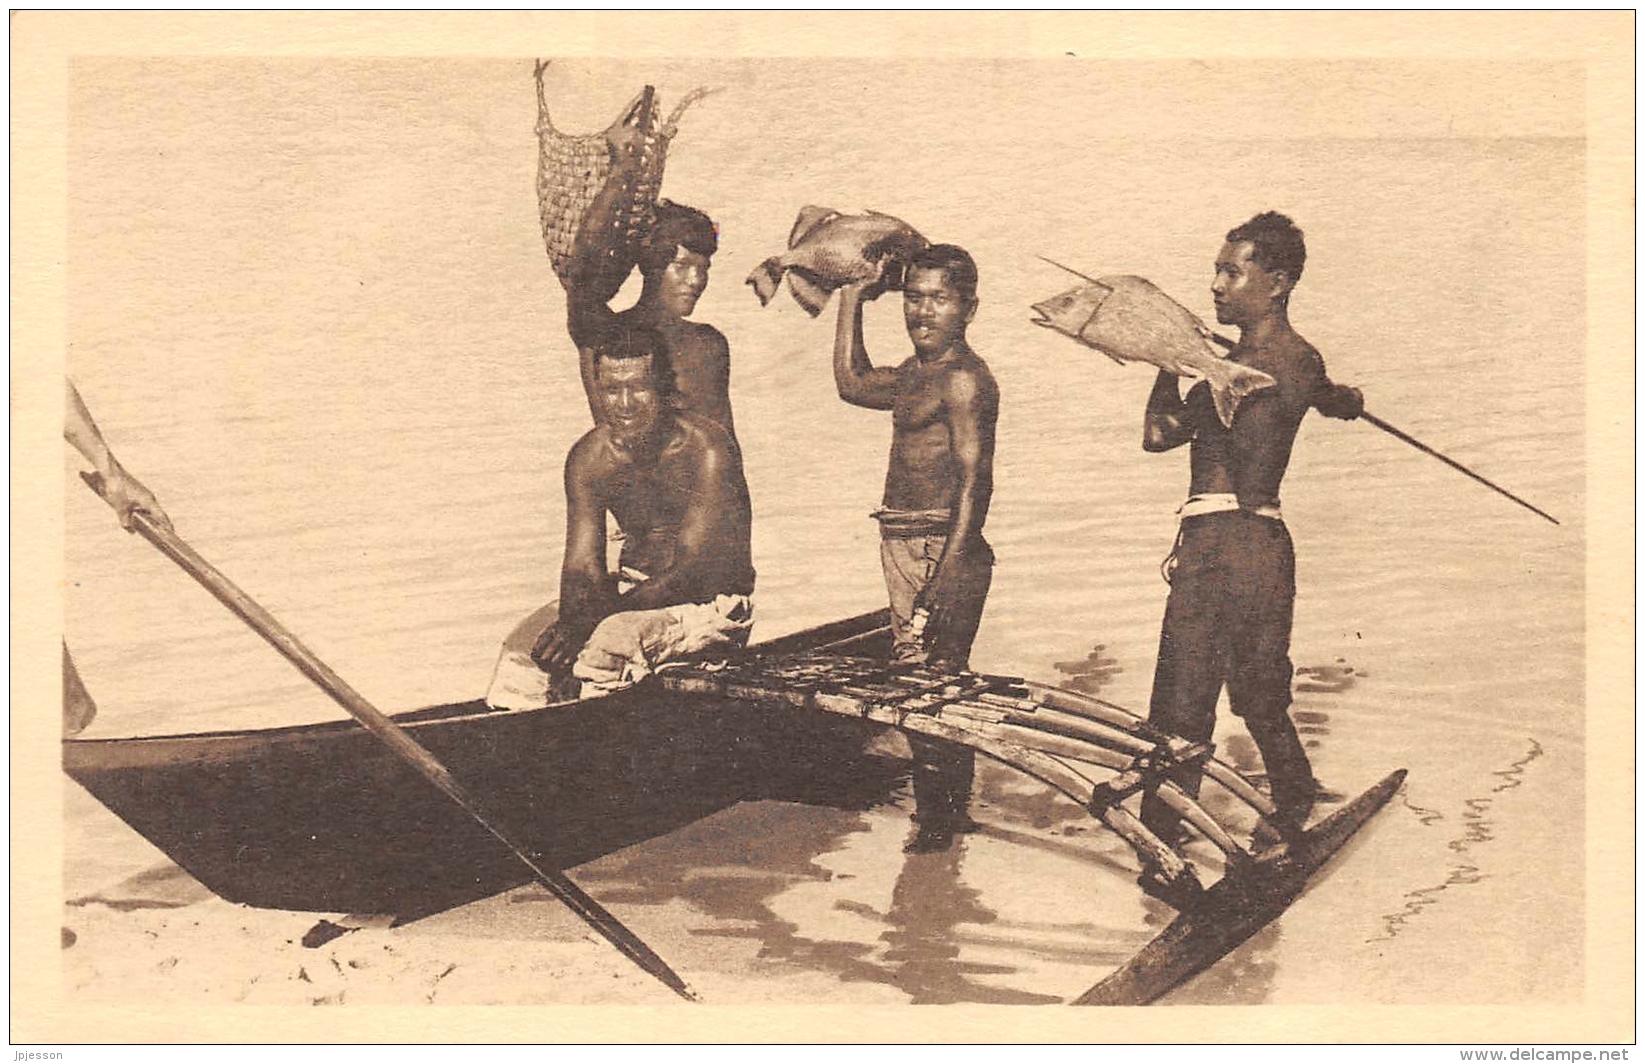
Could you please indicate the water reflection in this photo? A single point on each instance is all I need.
(791, 891)
(1091, 674)
(929, 905)
(161, 887)
(1327, 679)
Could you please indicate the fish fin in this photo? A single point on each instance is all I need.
(808, 292)
(809, 219)
(765, 279)
(1230, 382)
(887, 245)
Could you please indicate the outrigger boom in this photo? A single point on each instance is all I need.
(1096, 753)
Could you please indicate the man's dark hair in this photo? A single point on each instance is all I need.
(629, 341)
(955, 263)
(1276, 243)
(677, 226)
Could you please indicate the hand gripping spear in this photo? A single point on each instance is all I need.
(1371, 419)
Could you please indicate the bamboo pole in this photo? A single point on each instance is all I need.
(397, 740)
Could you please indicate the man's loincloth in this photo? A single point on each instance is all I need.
(911, 545)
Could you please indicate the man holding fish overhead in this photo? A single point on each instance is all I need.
(938, 567)
(1232, 573)
(674, 259)
(674, 483)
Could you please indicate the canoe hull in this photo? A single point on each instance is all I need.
(323, 818)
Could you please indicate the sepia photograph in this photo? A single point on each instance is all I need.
(641, 510)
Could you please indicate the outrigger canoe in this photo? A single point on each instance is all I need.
(323, 818)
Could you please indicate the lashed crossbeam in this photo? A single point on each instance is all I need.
(1097, 754)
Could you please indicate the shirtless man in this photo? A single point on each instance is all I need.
(674, 260)
(1232, 574)
(937, 565)
(674, 482)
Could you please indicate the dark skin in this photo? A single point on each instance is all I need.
(1250, 458)
(944, 405)
(699, 353)
(676, 481)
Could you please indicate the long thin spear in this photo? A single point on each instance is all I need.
(1372, 419)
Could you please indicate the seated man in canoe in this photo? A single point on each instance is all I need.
(674, 260)
(674, 483)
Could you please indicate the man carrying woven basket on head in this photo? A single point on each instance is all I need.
(674, 258)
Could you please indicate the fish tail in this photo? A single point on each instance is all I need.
(765, 278)
(1230, 382)
(808, 292)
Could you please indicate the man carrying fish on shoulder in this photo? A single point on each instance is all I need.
(674, 482)
(937, 566)
(1232, 572)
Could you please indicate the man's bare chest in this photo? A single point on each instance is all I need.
(918, 404)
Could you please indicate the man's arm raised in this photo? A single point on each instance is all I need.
(593, 275)
(859, 382)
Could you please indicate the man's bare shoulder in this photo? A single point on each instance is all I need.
(591, 453)
(1288, 358)
(969, 376)
(699, 336)
(703, 436)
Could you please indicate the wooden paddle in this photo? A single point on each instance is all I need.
(395, 738)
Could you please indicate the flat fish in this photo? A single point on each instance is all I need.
(1130, 320)
(828, 249)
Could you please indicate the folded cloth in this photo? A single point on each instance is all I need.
(624, 649)
(628, 647)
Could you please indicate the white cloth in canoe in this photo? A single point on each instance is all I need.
(624, 649)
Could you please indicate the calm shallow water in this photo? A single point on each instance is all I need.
(313, 312)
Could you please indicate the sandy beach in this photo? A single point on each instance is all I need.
(135, 923)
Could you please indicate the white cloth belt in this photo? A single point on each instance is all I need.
(1221, 502)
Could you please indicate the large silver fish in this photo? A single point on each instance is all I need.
(1130, 320)
(828, 249)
